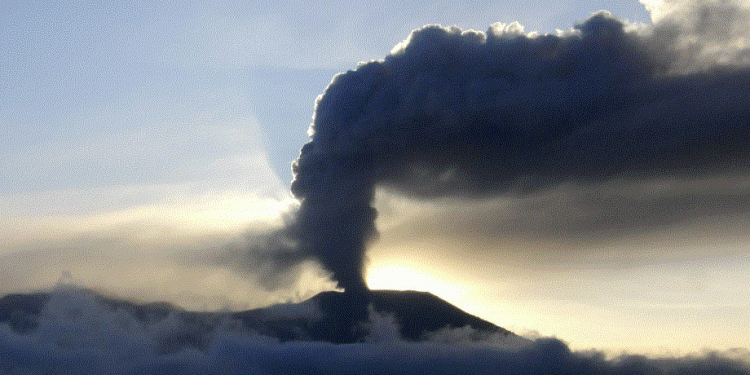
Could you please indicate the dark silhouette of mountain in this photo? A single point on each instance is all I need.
(422, 311)
(20, 311)
(337, 319)
(329, 316)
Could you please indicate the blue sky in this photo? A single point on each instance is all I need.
(142, 138)
(68, 68)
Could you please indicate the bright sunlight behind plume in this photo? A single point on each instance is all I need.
(402, 277)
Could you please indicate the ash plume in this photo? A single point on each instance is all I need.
(464, 113)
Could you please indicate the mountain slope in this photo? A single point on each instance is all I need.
(328, 316)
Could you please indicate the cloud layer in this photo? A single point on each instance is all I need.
(78, 334)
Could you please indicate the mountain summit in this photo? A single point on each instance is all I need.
(417, 314)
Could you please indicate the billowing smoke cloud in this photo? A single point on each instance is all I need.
(470, 114)
(79, 335)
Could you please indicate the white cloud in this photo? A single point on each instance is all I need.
(147, 250)
(703, 33)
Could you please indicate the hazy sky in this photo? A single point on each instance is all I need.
(144, 144)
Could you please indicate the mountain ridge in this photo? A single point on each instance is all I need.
(329, 316)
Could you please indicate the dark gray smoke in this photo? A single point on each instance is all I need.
(464, 113)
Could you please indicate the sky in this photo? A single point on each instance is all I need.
(147, 146)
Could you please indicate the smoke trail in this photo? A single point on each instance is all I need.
(464, 113)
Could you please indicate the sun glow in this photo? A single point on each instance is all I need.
(403, 277)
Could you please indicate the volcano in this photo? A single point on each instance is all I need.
(325, 317)
(417, 314)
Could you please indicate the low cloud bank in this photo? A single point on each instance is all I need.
(78, 334)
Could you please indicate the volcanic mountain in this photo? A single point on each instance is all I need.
(325, 317)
